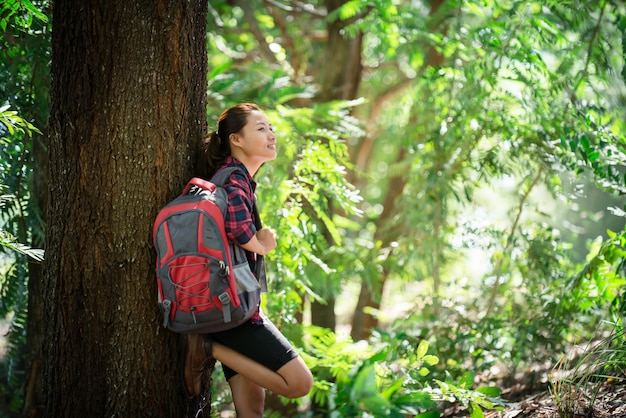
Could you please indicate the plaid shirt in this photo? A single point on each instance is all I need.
(239, 220)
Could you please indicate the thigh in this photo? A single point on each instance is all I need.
(263, 343)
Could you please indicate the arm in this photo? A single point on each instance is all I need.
(262, 242)
(238, 222)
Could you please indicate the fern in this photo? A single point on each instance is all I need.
(9, 242)
(15, 133)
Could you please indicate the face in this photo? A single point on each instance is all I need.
(256, 142)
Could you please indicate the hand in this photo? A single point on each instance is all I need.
(267, 239)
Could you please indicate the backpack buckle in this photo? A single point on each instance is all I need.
(225, 299)
(167, 307)
(223, 272)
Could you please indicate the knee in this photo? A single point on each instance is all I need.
(301, 386)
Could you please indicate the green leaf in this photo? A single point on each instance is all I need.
(34, 11)
(474, 9)
(422, 349)
(377, 405)
(429, 414)
(364, 383)
(392, 388)
(380, 355)
(467, 380)
(9, 241)
(476, 411)
(423, 371)
(416, 398)
(492, 391)
(431, 360)
(349, 9)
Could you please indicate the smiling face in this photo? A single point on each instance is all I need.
(255, 143)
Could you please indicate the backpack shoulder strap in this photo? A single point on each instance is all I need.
(260, 260)
(220, 178)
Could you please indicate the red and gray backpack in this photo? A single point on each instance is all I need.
(204, 282)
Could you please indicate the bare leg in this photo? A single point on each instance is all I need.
(293, 380)
(248, 397)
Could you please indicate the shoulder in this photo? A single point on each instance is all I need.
(238, 179)
(239, 176)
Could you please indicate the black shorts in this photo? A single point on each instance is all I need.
(263, 343)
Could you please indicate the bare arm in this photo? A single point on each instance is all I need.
(262, 242)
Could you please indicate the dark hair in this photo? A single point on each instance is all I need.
(216, 143)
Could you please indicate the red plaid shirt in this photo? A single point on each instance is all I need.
(239, 220)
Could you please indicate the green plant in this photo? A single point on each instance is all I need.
(474, 400)
(12, 126)
(388, 377)
(13, 267)
(11, 243)
(577, 379)
(19, 14)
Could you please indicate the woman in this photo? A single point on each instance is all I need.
(255, 356)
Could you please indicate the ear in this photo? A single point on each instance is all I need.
(235, 140)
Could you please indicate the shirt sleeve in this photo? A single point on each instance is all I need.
(239, 223)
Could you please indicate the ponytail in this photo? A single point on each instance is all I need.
(216, 150)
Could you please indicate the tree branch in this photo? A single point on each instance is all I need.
(509, 242)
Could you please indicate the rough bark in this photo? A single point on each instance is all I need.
(127, 108)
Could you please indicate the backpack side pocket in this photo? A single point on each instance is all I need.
(246, 282)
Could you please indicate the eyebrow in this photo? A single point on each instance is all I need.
(264, 124)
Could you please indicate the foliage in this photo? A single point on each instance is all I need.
(19, 14)
(388, 378)
(572, 308)
(13, 276)
(25, 58)
(23, 86)
(576, 382)
(521, 98)
(10, 242)
(12, 129)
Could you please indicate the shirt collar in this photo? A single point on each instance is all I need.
(232, 161)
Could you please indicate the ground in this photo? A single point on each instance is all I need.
(536, 401)
(609, 402)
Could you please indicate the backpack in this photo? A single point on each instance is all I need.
(204, 282)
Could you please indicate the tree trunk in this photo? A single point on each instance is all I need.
(323, 314)
(338, 81)
(362, 322)
(127, 109)
(341, 68)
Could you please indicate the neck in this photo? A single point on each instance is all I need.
(251, 165)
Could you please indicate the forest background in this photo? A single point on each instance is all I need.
(449, 194)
